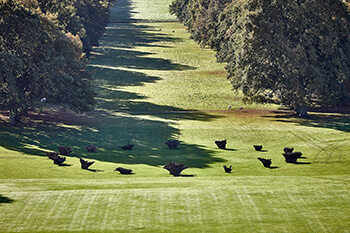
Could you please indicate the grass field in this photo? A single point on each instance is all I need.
(156, 84)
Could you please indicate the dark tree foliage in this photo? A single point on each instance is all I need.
(295, 52)
(85, 18)
(37, 60)
(201, 17)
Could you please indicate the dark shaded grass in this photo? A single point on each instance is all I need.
(107, 131)
(330, 119)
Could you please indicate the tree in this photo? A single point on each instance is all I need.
(201, 18)
(40, 61)
(85, 18)
(94, 15)
(294, 52)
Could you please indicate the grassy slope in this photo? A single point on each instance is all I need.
(149, 72)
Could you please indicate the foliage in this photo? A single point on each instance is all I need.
(87, 18)
(201, 17)
(291, 51)
(40, 62)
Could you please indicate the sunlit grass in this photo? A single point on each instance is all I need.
(149, 10)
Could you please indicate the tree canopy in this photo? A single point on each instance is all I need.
(85, 18)
(41, 61)
(294, 52)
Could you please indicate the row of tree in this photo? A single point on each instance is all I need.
(294, 52)
(41, 52)
(85, 18)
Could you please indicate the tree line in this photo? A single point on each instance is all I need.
(44, 46)
(292, 52)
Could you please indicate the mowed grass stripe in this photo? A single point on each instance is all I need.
(107, 214)
(301, 206)
(53, 214)
(220, 204)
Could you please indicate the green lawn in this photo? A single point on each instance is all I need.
(156, 85)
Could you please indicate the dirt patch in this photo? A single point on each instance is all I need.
(258, 112)
(221, 73)
(51, 116)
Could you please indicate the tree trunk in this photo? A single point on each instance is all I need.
(301, 111)
(13, 116)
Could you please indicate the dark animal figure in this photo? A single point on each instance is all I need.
(292, 157)
(123, 170)
(51, 155)
(172, 144)
(127, 146)
(265, 162)
(228, 169)
(85, 164)
(175, 168)
(56, 158)
(258, 147)
(288, 150)
(65, 150)
(221, 144)
(91, 148)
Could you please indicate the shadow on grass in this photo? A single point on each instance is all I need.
(93, 170)
(107, 130)
(330, 119)
(262, 151)
(122, 11)
(64, 165)
(301, 163)
(128, 174)
(114, 58)
(5, 200)
(185, 175)
(229, 149)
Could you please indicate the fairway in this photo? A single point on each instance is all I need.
(155, 84)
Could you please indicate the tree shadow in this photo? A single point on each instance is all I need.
(106, 130)
(330, 119)
(5, 200)
(113, 58)
(112, 77)
(122, 35)
(122, 11)
(129, 35)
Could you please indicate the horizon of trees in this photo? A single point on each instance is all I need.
(42, 59)
(292, 52)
